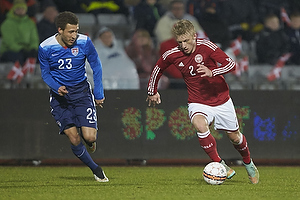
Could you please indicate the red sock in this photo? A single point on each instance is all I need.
(209, 145)
(243, 149)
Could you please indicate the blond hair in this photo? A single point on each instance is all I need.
(183, 27)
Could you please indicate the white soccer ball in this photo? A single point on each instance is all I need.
(214, 173)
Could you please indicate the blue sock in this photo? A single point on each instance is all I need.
(81, 152)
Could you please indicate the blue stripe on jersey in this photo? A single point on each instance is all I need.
(60, 66)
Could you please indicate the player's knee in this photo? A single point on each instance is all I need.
(73, 136)
(91, 138)
(89, 134)
(74, 139)
(234, 137)
(201, 129)
(201, 126)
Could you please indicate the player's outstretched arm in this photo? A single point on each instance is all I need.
(100, 102)
(153, 100)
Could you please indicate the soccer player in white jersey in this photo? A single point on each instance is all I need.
(202, 65)
(62, 60)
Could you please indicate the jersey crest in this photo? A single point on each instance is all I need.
(198, 58)
(75, 51)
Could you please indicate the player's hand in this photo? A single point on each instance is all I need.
(153, 100)
(100, 102)
(204, 71)
(62, 90)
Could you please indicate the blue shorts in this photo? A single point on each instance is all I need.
(77, 108)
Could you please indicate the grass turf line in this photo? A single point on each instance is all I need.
(144, 182)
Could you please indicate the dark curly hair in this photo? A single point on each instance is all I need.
(65, 18)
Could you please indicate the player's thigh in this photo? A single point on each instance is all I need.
(201, 115)
(86, 114)
(62, 113)
(200, 123)
(225, 118)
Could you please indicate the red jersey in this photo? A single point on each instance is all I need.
(211, 91)
(171, 71)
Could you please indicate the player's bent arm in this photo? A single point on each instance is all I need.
(227, 63)
(62, 90)
(204, 71)
(45, 72)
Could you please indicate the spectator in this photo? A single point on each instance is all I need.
(143, 53)
(214, 26)
(146, 14)
(20, 39)
(197, 7)
(6, 6)
(267, 7)
(176, 12)
(46, 26)
(119, 71)
(293, 33)
(241, 18)
(271, 42)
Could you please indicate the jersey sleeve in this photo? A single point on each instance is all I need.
(45, 70)
(95, 63)
(226, 63)
(156, 73)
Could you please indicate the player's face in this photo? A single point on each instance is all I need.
(187, 42)
(69, 34)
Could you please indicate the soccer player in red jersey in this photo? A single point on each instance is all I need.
(202, 64)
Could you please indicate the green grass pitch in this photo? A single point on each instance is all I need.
(144, 182)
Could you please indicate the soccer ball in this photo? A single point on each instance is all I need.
(214, 173)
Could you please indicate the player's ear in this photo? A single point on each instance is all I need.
(195, 36)
(60, 31)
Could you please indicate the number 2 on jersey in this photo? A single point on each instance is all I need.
(191, 70)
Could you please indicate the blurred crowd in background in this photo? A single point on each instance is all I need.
(130, 35)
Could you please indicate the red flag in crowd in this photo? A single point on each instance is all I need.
(16, 73)
(276, 71)
(241, 66)
(236, 46)
(29, 65)
(285, 17)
